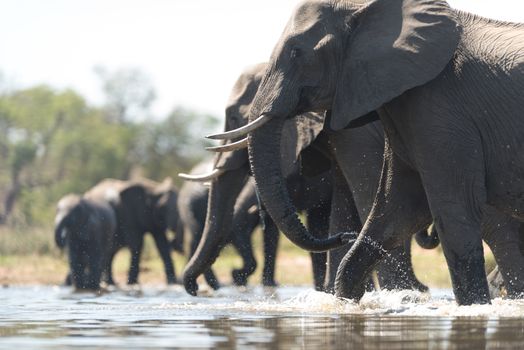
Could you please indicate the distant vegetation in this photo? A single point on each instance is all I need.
(53, 142)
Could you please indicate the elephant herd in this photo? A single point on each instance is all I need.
(376, 119)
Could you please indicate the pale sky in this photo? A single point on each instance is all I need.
(193, 50)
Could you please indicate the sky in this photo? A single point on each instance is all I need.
(192, 50)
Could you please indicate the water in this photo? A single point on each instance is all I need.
(253, 318)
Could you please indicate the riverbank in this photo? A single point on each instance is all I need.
(30, 257)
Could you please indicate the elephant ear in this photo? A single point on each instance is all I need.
(231, 160)
(237, 113)
(164, 206)
(298, 133)
(395, 45)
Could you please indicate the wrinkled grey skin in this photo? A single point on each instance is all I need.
(355, 185)
(311, 193)
(192, 206)
(87, 228)
(447, 87)
(225, 190)
(141, 206)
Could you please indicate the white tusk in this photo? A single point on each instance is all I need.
(242, 131)
(202, 177)
(233, 146)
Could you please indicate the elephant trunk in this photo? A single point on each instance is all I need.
(354, 269)
(221, 201)
(61, 234)
(264, 155)
(427, 240)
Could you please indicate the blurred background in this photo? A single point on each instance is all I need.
(122, 89)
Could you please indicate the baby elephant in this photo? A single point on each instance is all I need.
(86, 227)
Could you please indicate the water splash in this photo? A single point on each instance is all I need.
(47, 317)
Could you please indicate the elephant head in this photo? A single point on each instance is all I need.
(227, 178)
(71, 215)
(231, 169)
(346, 57)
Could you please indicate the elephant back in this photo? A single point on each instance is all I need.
(107, 190)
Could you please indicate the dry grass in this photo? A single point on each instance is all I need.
(30, 257)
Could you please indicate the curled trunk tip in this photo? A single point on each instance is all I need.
(264, 155)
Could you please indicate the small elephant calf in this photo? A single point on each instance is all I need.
(87, 228)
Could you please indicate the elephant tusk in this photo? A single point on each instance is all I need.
(202, 177)
(233, 146)
(242, 131)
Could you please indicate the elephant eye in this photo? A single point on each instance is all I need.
(295, 53)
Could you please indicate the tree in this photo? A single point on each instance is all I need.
(53, 142)
(174, 144)
(129, 94)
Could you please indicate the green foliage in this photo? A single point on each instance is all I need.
(129, 93)
(175, 142)
(53, 142)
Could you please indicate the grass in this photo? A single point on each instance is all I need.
(29, 256)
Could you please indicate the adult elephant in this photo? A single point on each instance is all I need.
(192, 207)
(447, 87)
(141, 206)
(313, 193)
(87, 228)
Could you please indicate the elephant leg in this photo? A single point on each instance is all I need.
(464, 254)
(242, 242)
(211, 279)
(77, 266)
(162, 244)
(457, 197)
(271, 238)
(318, 225)
(136, 251)
(209, 275)
(503, 237)
(245, 250)
(109, 267)
(318, 264)
(396, 270)
(68, 280)
(343, 218)
(178, 242)
(96, 265)
(400, 208)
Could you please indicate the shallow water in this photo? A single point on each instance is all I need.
(285, 317)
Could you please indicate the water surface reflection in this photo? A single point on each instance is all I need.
(290, 318)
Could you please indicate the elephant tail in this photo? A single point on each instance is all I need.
(178, 242)
(428, 238)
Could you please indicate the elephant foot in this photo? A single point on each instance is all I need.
(421, 287)
(68, 280)
(269, 283)
(354, 271)
(132, 281)
(88, 288)
(214, 284)
(239, 277)
(190, 285)
(355, 293)
(111, 282)
(171, 280)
